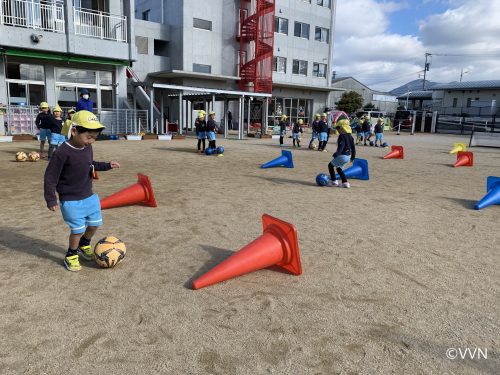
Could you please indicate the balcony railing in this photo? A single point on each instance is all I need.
(32, 15)
(100, 25)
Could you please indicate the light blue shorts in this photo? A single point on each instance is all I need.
(211, 136)
(45, 134)
(295, 136)
(340, 161)
(314, 135)
(57, 139)
(379, 136)
(81, 214)
(202, 135)
(323, 136)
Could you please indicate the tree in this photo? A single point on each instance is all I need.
(370, 107)
(349, 102)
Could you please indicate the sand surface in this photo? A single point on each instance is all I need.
(396, 270)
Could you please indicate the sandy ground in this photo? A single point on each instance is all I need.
(396, 270)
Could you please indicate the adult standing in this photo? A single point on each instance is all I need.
(85, 103)
(229, 120)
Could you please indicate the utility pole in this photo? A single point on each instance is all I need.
(462, 73)
(426, 68)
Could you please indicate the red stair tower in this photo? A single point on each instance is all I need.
(256, 45)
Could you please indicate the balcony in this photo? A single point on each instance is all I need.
(31, 15)
(102, 25)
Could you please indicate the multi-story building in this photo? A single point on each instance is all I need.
(279, 47)
(50, 50)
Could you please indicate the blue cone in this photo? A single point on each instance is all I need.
(493, 193)
(285, 160)
(358, 170)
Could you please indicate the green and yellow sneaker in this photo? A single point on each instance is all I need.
(86, 252)
(72, 263)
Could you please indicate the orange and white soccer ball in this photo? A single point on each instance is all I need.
(33, 156)
(109, 251)
(21, 156)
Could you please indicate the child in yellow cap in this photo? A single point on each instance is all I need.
(346, 151)
(43, 123)
(70, 173)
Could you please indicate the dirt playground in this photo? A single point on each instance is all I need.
(399, 272)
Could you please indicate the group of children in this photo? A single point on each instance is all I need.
(365, 130)
(205, 129)
(52, 128)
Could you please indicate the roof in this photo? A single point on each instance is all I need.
(340, 79)
(490, 84)
(422, 94)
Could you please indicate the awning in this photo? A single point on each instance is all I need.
(61, 57)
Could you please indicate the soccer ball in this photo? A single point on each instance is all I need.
(109, 251)
(385, 144)
(33, 156)
(220, 150)
(21, 156)
(209, 151)
(371, 143)
(322, 179)
(314, 146)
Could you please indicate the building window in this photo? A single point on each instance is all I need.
(319, 70)
(299, 67)
(25, 71)
(201, 68)
(280, 25)
(322, 34)
(161, 48)
(469, 101)
(301, 30)
(145, 15)
(202, 24)
(279, 64)
(141, 43)
(455, 102)
(323, 3)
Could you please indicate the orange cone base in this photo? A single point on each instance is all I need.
(141, 192)
(397, 152)
(277, 246)
(464, 159)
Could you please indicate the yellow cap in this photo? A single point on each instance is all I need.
(345, 125)
(323, 115)
(211, 113)
(300, 122)
(284, 117)
(44, 105)
(71, 110)
(87, 120)
(56, 108)
(317, 115)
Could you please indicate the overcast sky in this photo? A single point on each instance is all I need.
(383, 43)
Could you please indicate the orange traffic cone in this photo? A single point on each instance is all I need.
(141, 192)
(464, 159)
(397, 152)
(278, 245)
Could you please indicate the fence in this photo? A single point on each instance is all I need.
(21, 120)
(100, 25)
(465, 124)
(33, 15)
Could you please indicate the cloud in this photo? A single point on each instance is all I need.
(465, 36)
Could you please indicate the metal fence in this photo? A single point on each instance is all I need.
(466, 124)
(33, 15)
(21, 120)
(100, 25)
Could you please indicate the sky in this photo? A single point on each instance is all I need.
(383, 43)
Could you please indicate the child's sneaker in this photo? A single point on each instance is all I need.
(345, 185)
(333, 183)
(72, 263)
(86, 252)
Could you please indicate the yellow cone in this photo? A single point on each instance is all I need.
(458, 147)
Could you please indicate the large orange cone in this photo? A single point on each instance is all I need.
(458, 147)
(278, 245)
(141, 192)
(397, 152)
(464, 159)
